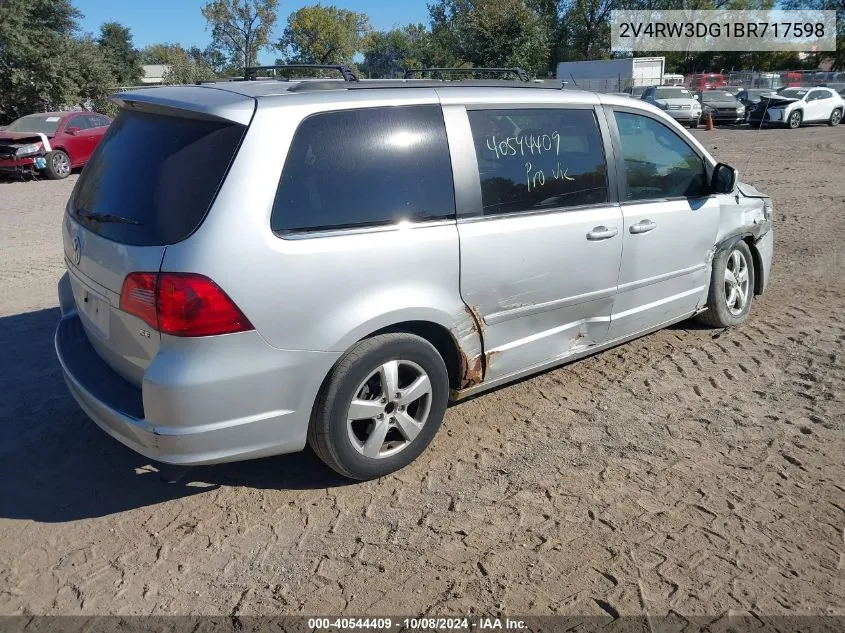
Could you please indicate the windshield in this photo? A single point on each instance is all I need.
(758, 93)
(716, 95)
(793, 93)
(672, 93)
(36, 123)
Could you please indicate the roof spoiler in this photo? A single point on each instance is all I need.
(520, 74)
(196, 102)
(251, 72)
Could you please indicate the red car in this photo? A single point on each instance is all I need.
(51, 143)
(706, 81)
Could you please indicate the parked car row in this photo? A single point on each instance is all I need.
(795, 106)
(50, 144)
(791, 107)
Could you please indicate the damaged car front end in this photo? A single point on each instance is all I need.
(24, 157)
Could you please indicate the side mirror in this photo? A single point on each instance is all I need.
(724, 178)
(695, 97)
(73, 130)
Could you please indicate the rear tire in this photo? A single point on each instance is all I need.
(731, 287)
(795, 119)
(362, 431)
(835, 117)
(58, 165)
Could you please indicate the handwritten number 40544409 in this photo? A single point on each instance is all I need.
(531, 145)
(524, 145)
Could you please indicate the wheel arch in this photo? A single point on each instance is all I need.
(756, 258)
(62, 148)
(435, 333)
(439, 336)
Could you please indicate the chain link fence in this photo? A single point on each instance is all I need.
(772, 80)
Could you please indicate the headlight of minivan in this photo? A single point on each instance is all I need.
(740, 109)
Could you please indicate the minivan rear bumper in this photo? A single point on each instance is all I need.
(273, 421)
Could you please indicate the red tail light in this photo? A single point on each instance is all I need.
(138, 297)
(181, 304)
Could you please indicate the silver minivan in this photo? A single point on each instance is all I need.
(257, 265)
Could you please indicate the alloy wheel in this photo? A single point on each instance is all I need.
(389, 409)
(61, 164)
(737, 283)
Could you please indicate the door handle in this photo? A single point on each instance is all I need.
(601, 233)
(643, 227)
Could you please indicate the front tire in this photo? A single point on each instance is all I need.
(794, 120)
(693, 124)
(58, 165)
(731, 287)
(835, 117)
(380, 407)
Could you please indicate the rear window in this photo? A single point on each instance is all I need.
(366, 167)
(153, 177)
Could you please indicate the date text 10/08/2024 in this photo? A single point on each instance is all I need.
(531, 146)
(417, 624)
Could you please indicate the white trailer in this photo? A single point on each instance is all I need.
(613, 75)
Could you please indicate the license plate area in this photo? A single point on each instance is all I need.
(93, 307)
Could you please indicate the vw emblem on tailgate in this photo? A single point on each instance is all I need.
(76, 245)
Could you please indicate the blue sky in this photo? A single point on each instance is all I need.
(180, 21)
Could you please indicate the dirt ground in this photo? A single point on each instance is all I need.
(693, 470)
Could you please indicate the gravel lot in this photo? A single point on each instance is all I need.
(693, 470)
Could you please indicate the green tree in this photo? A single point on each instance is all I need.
(837, 57)
(241, 28)
(35, 41)
(115, 43)
(493, 32)
(92, 74)
(184, 67)
(158, 53)
(584, 29)
(323, 35)
(389, 53)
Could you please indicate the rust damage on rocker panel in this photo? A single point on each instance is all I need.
(467, 335)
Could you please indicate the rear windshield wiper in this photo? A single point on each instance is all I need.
(105, 217)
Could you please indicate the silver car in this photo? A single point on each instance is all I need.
(257, 265)
(678, 102)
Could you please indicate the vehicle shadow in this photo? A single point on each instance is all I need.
(56, 465)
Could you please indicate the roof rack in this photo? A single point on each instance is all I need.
(521, 74)
(251, 72)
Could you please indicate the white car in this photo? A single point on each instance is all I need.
(795, 106)
(678, 102)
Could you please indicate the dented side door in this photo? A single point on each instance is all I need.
(539, 284)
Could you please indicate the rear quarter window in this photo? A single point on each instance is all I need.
(365, 167)
(158, 174)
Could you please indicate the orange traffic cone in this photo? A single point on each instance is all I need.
(709, 126)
